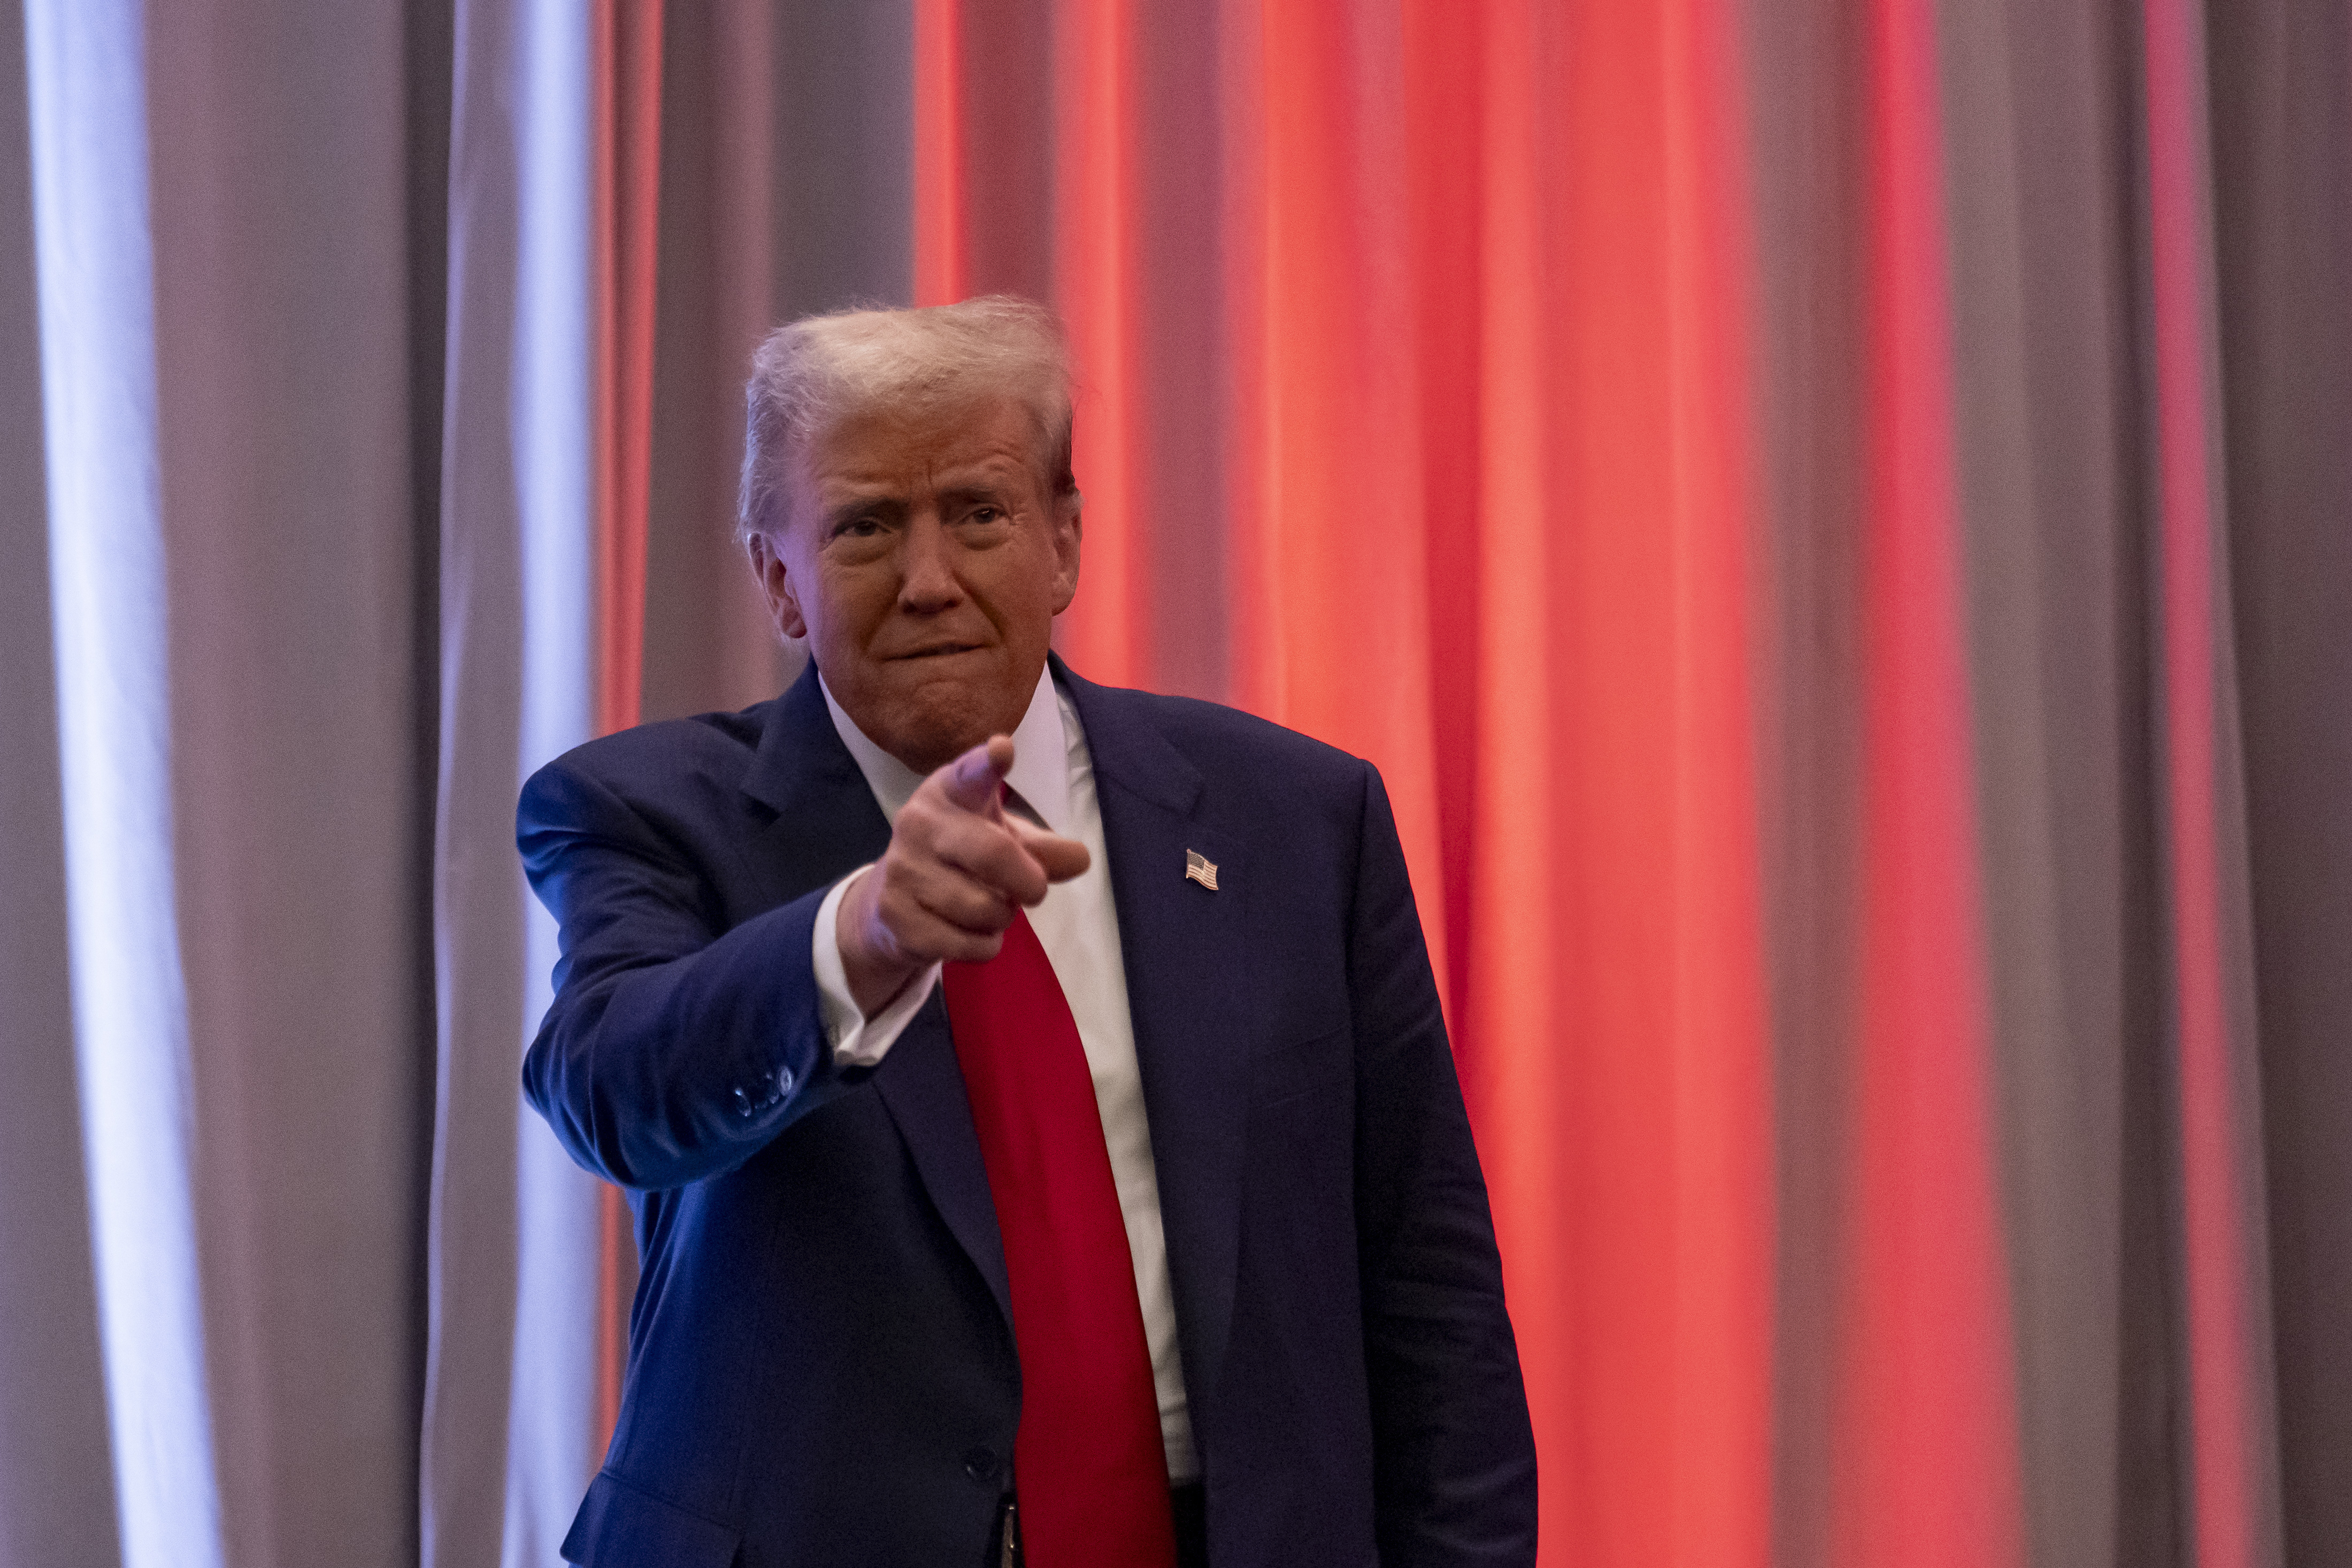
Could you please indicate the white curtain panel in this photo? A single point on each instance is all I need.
(510, 1397)
(296, 369)
(220, 208)
(293, 956)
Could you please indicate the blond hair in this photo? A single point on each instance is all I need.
(811, 376)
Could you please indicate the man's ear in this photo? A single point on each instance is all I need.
(1069, 531)
(776, 582)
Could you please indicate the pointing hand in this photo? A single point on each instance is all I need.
(957, 867)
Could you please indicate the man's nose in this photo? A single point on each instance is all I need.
(928, 583)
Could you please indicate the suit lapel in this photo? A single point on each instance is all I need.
(826, 824)
(1185, 952)
(922, 1085)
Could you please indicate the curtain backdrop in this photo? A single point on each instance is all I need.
(1834, 518)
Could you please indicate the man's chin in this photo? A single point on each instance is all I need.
(940, 717)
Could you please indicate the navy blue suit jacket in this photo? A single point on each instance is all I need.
(821, 1363)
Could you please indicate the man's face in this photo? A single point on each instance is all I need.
(925, 563)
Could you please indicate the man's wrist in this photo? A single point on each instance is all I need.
(875, 977)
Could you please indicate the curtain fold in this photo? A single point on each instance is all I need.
(626, 73)
(57, 1483)
(219, 229)
(95, 264)
(2233, 1471)
(2279, 102)
(510, 1402)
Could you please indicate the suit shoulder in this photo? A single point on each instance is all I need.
(650, 763)
(1212, 733)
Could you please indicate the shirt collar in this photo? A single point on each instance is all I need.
(1041, 768)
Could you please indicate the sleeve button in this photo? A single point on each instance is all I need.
(980, 1465)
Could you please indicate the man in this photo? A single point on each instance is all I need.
(1034, 1097)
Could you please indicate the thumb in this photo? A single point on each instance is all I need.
(1060, 858)
(974, 780)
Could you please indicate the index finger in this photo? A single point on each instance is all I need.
(972, 781)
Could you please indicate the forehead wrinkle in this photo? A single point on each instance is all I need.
(990, 468)
(966, 454)
(879, 483)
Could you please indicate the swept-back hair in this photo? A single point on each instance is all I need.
(811, 376)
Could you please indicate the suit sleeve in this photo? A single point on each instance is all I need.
(1454, 1456)
(674, 1049)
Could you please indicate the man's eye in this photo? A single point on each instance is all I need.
(986, 513)
(861, 527)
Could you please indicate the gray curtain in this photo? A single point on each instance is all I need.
(296, 339)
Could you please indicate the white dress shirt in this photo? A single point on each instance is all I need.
(1077, 925)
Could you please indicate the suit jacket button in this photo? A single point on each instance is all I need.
(980, 1465)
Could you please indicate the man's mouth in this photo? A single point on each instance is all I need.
(940, 650)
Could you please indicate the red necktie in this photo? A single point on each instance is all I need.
(1088, 1461)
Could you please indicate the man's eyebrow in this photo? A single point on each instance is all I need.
(855, 503)
(964, 487)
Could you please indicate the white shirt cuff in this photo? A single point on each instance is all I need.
(858, 1041)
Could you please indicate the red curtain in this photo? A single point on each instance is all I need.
(1483, 515)
(626, 38)
(1475, 286)
(1755, 477)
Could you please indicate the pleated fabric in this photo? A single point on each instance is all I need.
(1759, 481)
(1833, 517)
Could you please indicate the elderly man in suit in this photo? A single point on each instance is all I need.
(1034, 1097)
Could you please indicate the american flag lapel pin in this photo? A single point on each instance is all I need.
(1198, 868)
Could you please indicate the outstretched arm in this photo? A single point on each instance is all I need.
(674, 1049)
